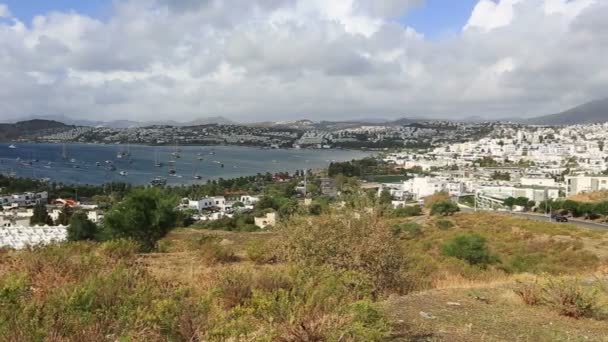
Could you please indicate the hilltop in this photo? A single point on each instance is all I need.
(10, 131)
(591, 112)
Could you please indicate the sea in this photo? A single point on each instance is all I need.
(139, 164)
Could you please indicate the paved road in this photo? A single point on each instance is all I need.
(537, 217)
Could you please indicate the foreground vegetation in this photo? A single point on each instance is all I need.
(355, 271)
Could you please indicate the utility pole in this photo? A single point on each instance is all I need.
(305, 183)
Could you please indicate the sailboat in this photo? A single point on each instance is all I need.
(64, 152)
(176, 152)
(156, 162)
(195, 174)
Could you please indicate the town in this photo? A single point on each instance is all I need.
(512, 167)
(302, 134)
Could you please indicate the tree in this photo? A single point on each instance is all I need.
(81, 228)
(510, 202)
(40, 216)
(145, 215)
(385, 197)
(444, 208)
(65, 216)
(470, 248)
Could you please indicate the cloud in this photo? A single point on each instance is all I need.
(288, 59)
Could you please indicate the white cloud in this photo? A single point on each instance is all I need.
(4, 12)
(278, 59)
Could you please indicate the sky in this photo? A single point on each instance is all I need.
(261, 60)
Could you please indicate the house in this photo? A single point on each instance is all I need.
(265, 221)
(204, 203)
(581, 184)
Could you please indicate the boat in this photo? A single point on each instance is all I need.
(200, 158)
(197, 177)
(12, 146)
(156, 162)
(158, 181)
(123, 173)
(108, 162)
(172, 171)
(222, 165)
(72, 160)
(98, 164)
(212, 152)
(111, 168)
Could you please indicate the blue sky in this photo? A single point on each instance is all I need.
(27, 9)
(439, 17)
(435, 18)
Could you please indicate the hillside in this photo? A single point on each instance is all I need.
(326, 278)
(591, 112)
(28, 128)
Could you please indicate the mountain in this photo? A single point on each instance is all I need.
(9, 131)
(129, 123)
(591, 112)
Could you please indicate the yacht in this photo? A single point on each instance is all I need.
(158, 181)
(12, 146)
(197, 177)
(123, 173)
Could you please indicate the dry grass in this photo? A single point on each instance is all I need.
(590, 197)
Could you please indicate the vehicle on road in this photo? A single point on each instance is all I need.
(559, 218)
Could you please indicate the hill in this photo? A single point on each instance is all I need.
(10, 131)
(591, 112)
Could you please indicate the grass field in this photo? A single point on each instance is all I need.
(339, 277)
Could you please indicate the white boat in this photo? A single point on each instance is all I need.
(12, 146)
(123, 173)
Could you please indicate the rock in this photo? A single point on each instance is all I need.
(453, 303)
(427, 315)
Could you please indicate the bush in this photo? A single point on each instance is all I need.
(261, 252)
(409, 229)
(213, 253)
(444, 224)
(350, 241)
(145, 215)
(470, 248)
(444, 208)
(566, 296)
(81, 228)
(408, 211)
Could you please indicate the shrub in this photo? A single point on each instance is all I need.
(261, 252)
(444, 224)
(566, 296)
(120, 249)
(81, 228)
(409, 230)
(145, 215)
(213, 253)
(570, 298)
(444, 208)
(349, 241)
(408, 211)
(471, 248)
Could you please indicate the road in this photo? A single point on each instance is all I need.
(537, 217)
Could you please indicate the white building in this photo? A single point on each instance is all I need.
(581, 184)
(205, 203)
(23, 200)
(19, 237)
(266, 221)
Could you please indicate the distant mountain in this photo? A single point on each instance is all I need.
(128, 123)
(590, 112)
(9, 131)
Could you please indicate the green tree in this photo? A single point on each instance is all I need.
(145, 215)
(444, 208)
(510, 202)
(65, 216)
(81, 228)
(40, 216)
(470, 248)
(385, 197)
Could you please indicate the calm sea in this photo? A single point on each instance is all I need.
(91, 164)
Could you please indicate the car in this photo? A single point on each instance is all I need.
(559, 218)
